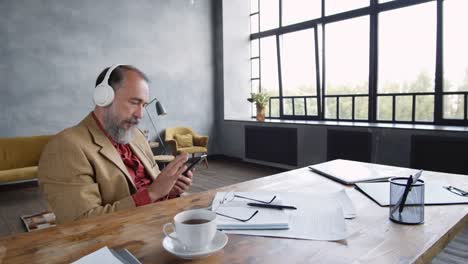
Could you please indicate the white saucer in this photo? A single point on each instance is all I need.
(219, 241)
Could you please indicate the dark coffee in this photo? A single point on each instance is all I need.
(195, 221)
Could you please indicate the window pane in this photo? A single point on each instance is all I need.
(269, 14)
(455, 46)
(255, 67)
(298, 63)
(269, 69)
(255, 86)
(403, 109)
(347, 56)
(361, 108)
(346, 110)
(384, 108)
(287, 106)
(299, 108)
(253, 6)
(407, 48)
(338, 6)
(454, 106)
(424, 108)
(254, 24)
(311, 106)
(295, 11)
(254, 45)
(274, 107)
(330, 105)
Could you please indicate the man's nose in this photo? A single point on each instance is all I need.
(139, 112)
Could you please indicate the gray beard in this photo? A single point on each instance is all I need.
(119, 134)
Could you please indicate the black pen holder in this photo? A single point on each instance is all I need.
(409, 209)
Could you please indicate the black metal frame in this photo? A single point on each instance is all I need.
(372, 10)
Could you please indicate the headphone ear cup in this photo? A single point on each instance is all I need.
(103, 95)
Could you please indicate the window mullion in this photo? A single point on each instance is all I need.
(439, 78)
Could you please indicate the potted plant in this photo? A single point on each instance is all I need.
(261, 100)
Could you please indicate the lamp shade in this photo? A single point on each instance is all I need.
(160, 109)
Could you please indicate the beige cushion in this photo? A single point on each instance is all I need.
(20, 174)
(184, 141)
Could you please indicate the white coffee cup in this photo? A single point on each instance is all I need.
(194, 229)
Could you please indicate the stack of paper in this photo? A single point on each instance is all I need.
(318, 216)
(266, 218)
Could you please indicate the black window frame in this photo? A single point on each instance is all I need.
(372, 10)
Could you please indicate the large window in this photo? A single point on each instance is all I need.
(362, 60)
(455, 85)
(407, 52)
(347, 68)
(295, 11)
(299, 80)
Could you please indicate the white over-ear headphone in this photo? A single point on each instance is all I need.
(104, 93)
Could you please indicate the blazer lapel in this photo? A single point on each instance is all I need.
(107, 149)
(138, 150)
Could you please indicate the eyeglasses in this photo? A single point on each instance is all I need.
(229, 197)
(457, 191)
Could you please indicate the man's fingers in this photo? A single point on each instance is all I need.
(182, 186)
(189, 174)
(177, 162)
(184, 180)
(181, 170)
(178, 189)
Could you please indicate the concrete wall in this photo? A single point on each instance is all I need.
(52, 51)
(236, 58)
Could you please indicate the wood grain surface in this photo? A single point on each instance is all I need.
(373, 238)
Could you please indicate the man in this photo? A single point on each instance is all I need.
(104, 164)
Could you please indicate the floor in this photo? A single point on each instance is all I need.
(24, 199)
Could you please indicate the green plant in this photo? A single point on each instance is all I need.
(260, 99)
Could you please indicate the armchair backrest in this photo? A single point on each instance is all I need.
(171, 131)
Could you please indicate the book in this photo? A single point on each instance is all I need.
(38, 221)
(350, 172)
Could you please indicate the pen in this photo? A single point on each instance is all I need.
(405, 194)
(274, 206)
(411, 180)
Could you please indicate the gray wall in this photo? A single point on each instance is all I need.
(51, 52)
(390, 145)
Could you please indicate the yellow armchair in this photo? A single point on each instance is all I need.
(185, 140)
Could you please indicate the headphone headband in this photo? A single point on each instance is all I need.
(108, 73)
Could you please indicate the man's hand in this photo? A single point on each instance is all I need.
(182, 185)
(168, 177)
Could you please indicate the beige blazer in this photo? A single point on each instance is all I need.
(81, 174)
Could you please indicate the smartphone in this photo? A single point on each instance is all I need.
(194, 162)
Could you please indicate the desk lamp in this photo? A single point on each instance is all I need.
(160, 111)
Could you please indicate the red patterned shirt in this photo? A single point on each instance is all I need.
(134, 166)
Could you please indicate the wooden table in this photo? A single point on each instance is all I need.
(373, 237)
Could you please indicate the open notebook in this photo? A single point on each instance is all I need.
(266, 218)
